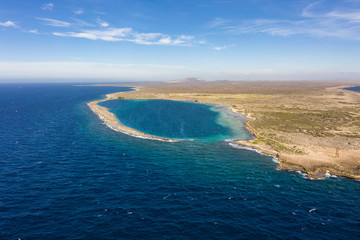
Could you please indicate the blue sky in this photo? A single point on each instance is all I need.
(133, 40)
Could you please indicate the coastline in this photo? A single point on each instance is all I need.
(112, 122)
(329, 112)
(285, 162)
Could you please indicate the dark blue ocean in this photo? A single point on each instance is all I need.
(356, 88)
(65, 175)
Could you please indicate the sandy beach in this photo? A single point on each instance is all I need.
(111, 121)
(312, 127)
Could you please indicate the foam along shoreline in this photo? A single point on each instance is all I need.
(112, 122)
(317, 173)
(287, 162)
(237, 145)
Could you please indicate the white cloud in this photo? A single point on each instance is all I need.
(117, 34)
(307, 10)
(186, 37)
(201, 42)
(81, 23)
(79, 11)
(165, 41)
(34, 31)
(102, 23)
(147, 36)
(54, 23)
(352, 16)
(217, 22)
(129, 35)
(8, 24)
(313, 21)
(48, 6)
(112, 34)
(220, 48)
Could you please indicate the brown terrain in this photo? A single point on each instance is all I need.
(313, 127)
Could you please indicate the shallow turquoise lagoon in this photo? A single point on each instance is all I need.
(180, 120)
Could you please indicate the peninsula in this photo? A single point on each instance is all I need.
(111, 121)
(312, 127)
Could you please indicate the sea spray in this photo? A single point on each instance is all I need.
(238, 146)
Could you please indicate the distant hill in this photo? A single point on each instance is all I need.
(188, 80)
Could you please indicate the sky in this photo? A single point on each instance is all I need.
(147, 40)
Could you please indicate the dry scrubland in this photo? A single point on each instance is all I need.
(312, 127)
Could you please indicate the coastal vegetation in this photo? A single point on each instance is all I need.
(312, 126)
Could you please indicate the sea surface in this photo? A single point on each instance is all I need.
(356, 88)
(66, 175)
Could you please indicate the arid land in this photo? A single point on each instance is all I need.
(313, 127)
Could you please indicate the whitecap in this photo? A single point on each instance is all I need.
(304, 175)
(330, 175)
(169, 195)
(326, 176)
(238, 146)
(275, 160)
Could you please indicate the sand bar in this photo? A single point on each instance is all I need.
(111, 121)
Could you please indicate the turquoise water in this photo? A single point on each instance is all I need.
(65, 175)
(179, 120)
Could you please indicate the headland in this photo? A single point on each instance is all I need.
(312, 127)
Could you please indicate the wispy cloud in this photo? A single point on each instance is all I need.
(129, 35)
(81, 23)
(220, 48)
(8, 24)
(79, 11)
(272, 27)
(313, 21)
(34, 31)
(217, 22)
(113, 34)
(307, 11)
(54, 22)
(99, 12)
(352, 16)
(102, 23)
(47, 6)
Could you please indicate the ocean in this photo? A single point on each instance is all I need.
(66, 175)
(355, 88)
